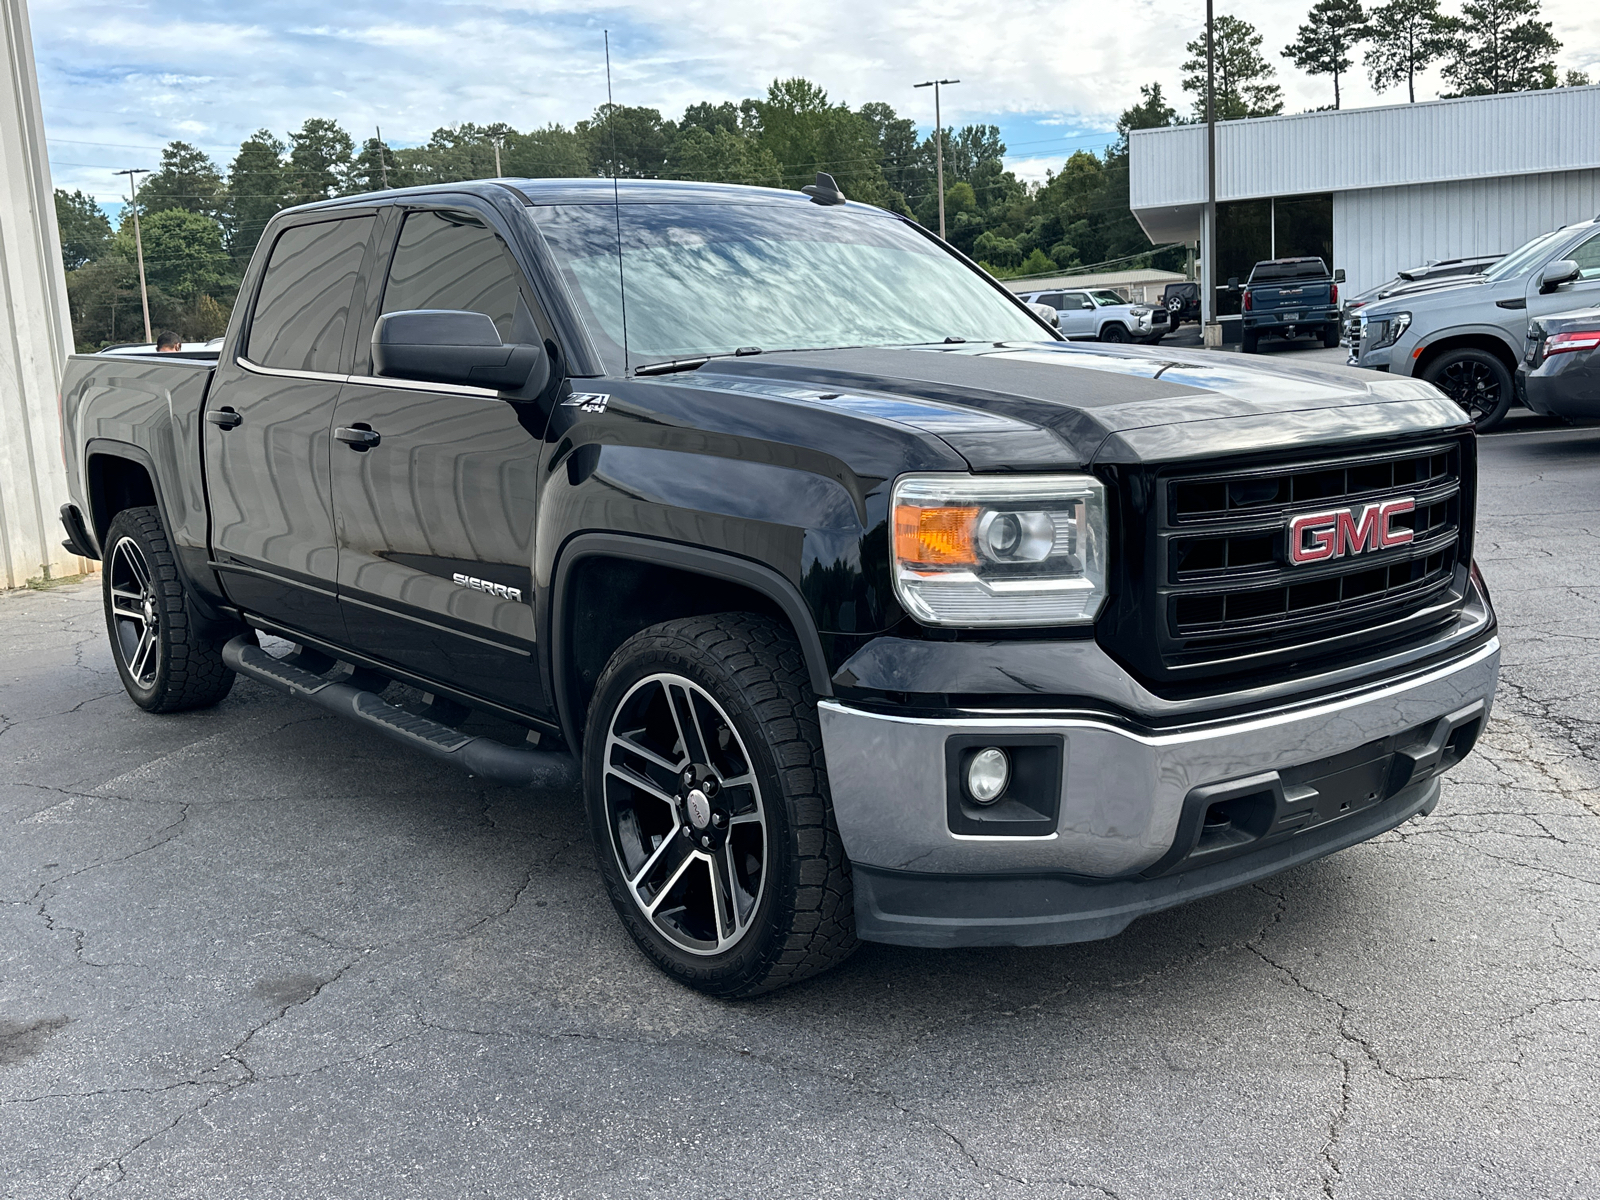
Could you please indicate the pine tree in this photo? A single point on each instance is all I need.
(258, 187)
(1407, 36)
(85, 231)
(1501, 46)
(187, 180)
(1244, 77)
(1323, 44)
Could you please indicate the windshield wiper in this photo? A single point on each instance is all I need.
(692, 364)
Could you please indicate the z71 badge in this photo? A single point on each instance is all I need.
(590, 402)
(484, 585)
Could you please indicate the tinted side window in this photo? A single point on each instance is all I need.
(304, 303)
(450, 260)
(1587, 256)
(1074, 300)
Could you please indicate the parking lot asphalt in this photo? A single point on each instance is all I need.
(256, 952)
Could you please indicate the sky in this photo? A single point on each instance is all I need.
(119, 80)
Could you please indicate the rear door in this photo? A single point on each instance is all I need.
(1079, 317)
(436, 522)
(268, 420)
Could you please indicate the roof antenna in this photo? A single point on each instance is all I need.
(824, 191)
(616, 201)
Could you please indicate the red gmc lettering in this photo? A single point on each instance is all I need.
(1317, 537)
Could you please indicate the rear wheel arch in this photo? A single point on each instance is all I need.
(639, 582)
(117, 478)
(1466, 341)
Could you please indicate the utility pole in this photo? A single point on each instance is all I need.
(496, 140)
(133, 174)
(383, 158)
(938, 142)
(1211, 329)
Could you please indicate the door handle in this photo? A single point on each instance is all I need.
(224, 418)
(358, 437)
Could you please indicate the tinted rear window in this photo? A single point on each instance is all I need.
(306, 292)
(1279, 271)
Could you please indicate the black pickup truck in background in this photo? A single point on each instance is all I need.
(861, 605)
(1290, 298)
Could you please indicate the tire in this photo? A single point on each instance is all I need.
(718, 848)
(1476, 380)
(1114, 333)
(166, 663)
(1250, 342)
(1330, 335)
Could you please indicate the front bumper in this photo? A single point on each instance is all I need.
(1129, 829)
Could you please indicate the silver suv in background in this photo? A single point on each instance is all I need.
(1441, 273)
(1468, 339)
(1102, 315)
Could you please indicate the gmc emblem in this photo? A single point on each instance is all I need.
(1320, 536)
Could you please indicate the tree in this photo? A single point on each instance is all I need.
(1153, 112)
(320, 159)
(805, 133)
(85, 230)
(721, 155)
(183, 254)
(1244, 78)
(1323, 44)
(554, 152)
(1577, 79)
(1407, 36)
(258, 186)
(627, 141)
(187, 180)
(1500, 46)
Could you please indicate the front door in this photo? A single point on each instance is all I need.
(269, 417)
(1582, 292)
(1077, 315)
(436, 521)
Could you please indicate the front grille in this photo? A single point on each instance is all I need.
(1216, 592)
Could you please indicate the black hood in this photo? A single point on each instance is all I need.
(1051, 405)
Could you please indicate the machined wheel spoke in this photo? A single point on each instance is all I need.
(632, 745)
(695, 748)
(670, 844)
(130, 602)
(731, 919)
(672, 881)
(136, 567)
(142, 654)
(749, 818)
(634, 779)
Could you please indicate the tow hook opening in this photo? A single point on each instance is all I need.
(1235, 821)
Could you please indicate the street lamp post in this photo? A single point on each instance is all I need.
(1211, 333)
(938, 142)
(133, 174)
(495, 141)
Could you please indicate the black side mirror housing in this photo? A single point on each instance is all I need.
(1233, 281)
(1562, 271)
(444, 346)
(1338, 275)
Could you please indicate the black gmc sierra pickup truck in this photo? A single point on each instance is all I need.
(861, 604)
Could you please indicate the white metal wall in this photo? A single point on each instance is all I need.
(36, 335)
(1469, 138)
(1379, 231)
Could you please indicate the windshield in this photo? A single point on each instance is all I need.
(714, 278)
(1519, 261)
(1108, 298)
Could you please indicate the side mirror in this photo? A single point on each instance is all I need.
(1233, 282)
(1338, 275)
(1562, 271)
(443, 346)
(1087, 304)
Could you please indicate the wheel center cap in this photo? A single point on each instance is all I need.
(699, 809)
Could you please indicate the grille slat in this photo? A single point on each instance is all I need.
(1224, 578)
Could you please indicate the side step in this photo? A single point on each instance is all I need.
(484, 757)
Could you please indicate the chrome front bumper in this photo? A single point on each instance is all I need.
(1123, 791)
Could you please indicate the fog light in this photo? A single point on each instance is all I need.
(987, 775)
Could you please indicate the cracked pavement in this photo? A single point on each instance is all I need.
(257, 951)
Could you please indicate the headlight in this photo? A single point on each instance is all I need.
(1139, 310)
(987, 550)
(1386, 331)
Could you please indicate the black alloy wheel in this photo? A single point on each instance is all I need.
(684, 814)
(1476, 380)
(135, 626)
(169, 660)
(708, 804)
(1114, 333)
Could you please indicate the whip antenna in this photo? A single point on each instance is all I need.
(616, 201)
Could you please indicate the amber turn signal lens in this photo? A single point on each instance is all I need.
(935, 537)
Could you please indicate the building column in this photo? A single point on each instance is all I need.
(37, 335)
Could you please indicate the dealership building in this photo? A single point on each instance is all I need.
(1375, 190)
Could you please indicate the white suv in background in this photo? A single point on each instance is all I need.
(1103, 315)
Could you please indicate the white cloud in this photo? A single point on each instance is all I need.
(132, 77)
